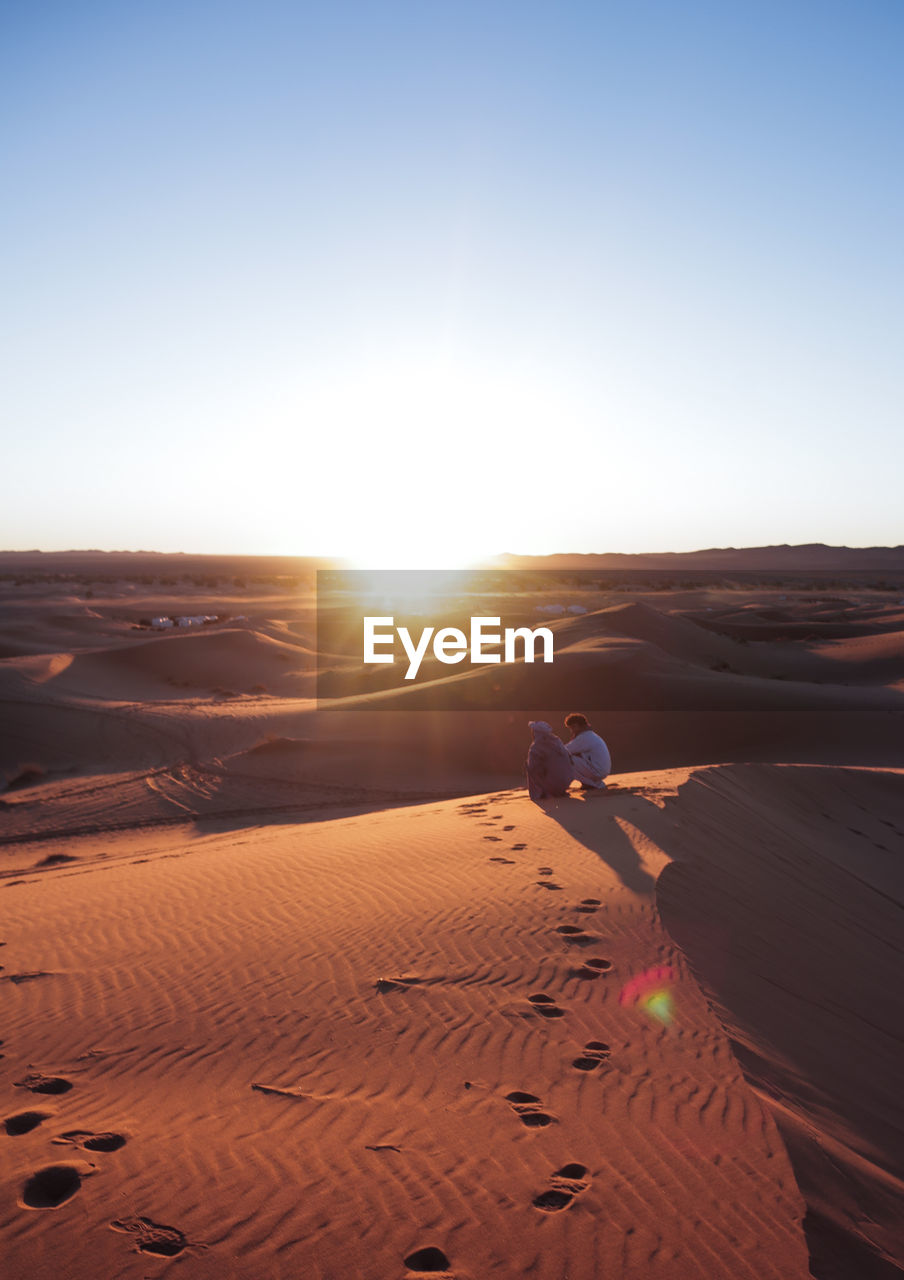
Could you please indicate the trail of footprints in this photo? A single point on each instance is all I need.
(480, 811)
(572, 1179)
(53, 1185)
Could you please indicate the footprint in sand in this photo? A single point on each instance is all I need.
(496, 838)
(27, 977)
(92, 1141)
(39, 1083)
(589, 905)
(572, 933)
(545, 871)
(53, 1185)
(529, 1109)
(152, 1237)
(595, 967)
(24, 1122)
(510, 827)
(545, 1005)
(509, 862)
(567, 1182)
(519, 846)
(594, 1055)
(428, 1260)
(547, 884)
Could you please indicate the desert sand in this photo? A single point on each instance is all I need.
(294, 991)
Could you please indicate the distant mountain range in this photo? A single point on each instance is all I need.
(814, 556)
(808, 556)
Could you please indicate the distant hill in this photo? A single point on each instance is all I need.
(131, 564)
(809, 557)
(784, 558)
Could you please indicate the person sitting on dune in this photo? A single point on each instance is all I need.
(590, 757)
(550, 768)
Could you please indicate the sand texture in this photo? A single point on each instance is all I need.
(302, 993)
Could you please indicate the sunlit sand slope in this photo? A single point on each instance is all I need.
(320, 1050)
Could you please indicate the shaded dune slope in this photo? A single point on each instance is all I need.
(788, 899)
(227, 658)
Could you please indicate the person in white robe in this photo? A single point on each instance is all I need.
(589, 754)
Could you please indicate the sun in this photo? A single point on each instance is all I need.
(426, 460)
(390, 553)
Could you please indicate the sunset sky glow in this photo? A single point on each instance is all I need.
(413, 283)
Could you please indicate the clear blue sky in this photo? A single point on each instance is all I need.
(411, 281)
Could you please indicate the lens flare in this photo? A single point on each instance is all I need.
(650, 990)
(659, 1006)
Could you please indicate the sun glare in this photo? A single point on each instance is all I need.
(440, 446)
(430, 553)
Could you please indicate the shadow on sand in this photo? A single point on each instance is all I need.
(588, 816)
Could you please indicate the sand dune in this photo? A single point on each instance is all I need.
(235, 660)
(871, 659)
(813, 1004)
(671, 689)
(321, 1049)
(304, 990)
(673, 635)
(375, 1036)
